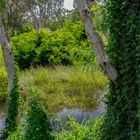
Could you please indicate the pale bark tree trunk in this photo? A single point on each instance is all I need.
(8, 57)
(10, 122)
(95, 40)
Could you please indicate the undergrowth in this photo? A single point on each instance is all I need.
(89, 129)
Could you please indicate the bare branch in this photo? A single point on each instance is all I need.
(95, 40)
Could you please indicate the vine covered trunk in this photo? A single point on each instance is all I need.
(122, 117)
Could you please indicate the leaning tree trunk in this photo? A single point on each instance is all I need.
(95, 40)
(10, 124)
(121, 121)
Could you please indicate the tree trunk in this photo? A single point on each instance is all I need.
(95, 40)
(12, 111)
(8, 57)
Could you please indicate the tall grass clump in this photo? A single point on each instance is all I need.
(63, 86)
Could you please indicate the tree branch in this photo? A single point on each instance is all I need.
(95, 40)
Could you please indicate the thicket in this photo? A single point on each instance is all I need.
(121, 119)
(67, 46)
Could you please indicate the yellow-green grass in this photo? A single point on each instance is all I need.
(61, 86)
(3, 79)
(1, 58)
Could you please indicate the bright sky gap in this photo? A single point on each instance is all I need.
(68, 4)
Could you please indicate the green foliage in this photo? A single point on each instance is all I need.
(87, 130)
(16, 135)
(38, 126)
(121, 121)
(2, 5)
(63, 86)
(3, 79)
(25, 27)
(3, 84)
(10, 123)
(24, 48)
(66, 46)
(99, 18)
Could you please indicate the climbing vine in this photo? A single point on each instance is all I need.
(12, 113)
(38, 125)
(121, 119)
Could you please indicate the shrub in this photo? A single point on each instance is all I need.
(88, 130)
(38, 126)
(66, 46)
(17, 135)
(24, 48)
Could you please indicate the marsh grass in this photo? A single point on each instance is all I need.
(61, 86)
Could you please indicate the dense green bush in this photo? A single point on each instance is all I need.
(17, 135)
(67, 46)
(88, 130)
(38, 126)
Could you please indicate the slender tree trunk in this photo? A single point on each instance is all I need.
(8, 57)
(95, 40)
(12, 111)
